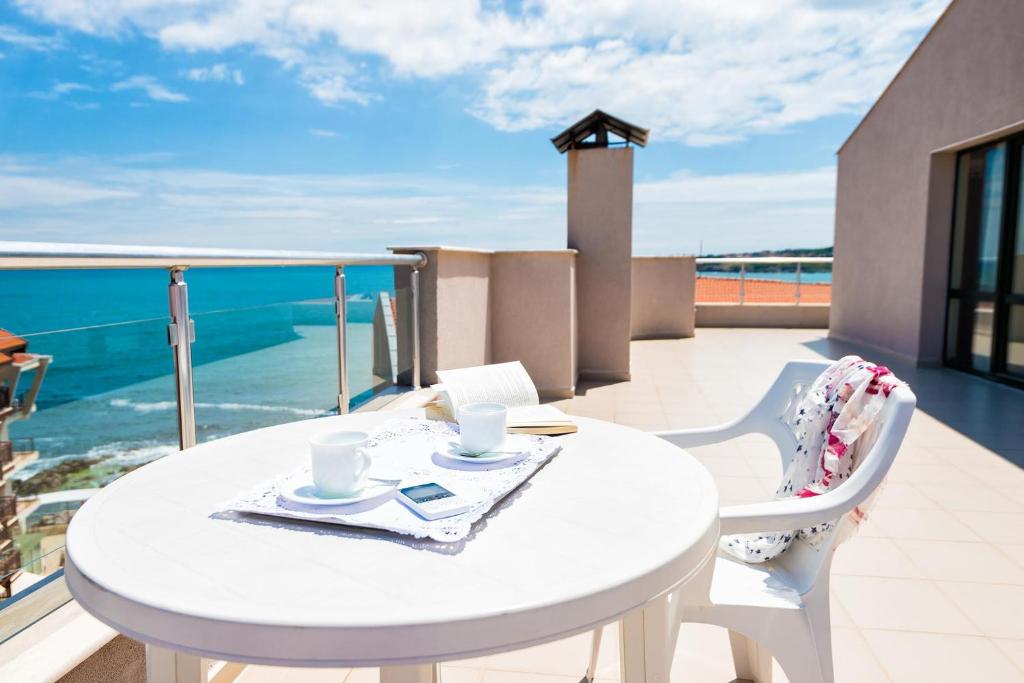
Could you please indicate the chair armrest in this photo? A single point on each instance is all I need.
(689, 438)
(787, 514)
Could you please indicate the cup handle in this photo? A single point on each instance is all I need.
(367, 463)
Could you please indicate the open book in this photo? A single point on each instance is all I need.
(505, 383)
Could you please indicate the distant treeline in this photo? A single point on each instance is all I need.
(770, 267)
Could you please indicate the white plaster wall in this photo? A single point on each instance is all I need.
(892, 206)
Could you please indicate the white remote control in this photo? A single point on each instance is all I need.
(432, 501)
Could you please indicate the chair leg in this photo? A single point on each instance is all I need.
(595, 650)
(752, 661)
(819, 621)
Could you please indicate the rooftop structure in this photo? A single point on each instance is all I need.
(592, 132)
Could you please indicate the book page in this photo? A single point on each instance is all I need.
(536, 415)
(506, 383)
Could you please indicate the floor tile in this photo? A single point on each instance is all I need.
(980, 498)
(936, 525)
(900, 604)
(998, 610)
(702, 654)
(929, 474)
(897, 494)
(525, 677)
(1014, 649)
(960, 561)
(458, 674)
(1014, 552)
(939, 658)
(853, 660)
(865, 556)
(1000, 528)
(363, 676)
(279, 674)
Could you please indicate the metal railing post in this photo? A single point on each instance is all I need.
(414, 285)
(743, 282)
(340, 307)
(797, 295)
(180, 335)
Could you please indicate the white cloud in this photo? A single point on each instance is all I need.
(322, 133)
(702, 72)
(769, 188)
(12, 36)
(58, 90)
(152, 87)
(136, 201)
(330, 86)
(219, 73)
(34, 191)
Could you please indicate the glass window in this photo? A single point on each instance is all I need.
(981, 340)
(1018, 252)
(991, 218)
(963, 178)
(952, 325)
(1015, 342)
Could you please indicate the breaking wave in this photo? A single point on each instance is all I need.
(158, 406)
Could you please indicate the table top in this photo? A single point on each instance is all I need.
(616, 519)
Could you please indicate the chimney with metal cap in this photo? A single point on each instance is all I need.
(600, 207)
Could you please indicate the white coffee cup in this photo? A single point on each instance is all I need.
(482, 426)
(341, 461)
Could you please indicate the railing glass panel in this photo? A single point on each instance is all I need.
(265, 353)
(753, 281)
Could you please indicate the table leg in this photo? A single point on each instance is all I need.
(647, 642)
(168, 666)
(417, 673)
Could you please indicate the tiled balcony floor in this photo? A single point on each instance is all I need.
(932, 589)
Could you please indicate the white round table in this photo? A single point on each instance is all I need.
(610, 527)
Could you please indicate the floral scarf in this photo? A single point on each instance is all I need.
(840, 407)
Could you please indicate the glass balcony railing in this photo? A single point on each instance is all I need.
(265, 352)
(770, 280)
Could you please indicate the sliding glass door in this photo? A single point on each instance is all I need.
(985, 313)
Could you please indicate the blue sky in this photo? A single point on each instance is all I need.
(345, 125)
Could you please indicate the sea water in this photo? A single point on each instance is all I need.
(265, 353)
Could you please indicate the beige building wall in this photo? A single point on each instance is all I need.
(454, 310)
(965, 83)
(533, 316)
(479, 307)
(662, 297)
(601, 228)
(813, 316)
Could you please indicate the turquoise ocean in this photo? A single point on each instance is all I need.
(264, 354)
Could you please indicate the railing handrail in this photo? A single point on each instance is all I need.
(181, 330)
(765, 260)
(61, 255)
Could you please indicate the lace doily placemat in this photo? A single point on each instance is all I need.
(406, 449)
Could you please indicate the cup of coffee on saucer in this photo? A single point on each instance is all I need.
(482, 427)
(341, 463)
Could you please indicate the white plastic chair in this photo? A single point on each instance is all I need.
(781, 608)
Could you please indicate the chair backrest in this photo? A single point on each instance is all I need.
(771, 415)
(876, 451)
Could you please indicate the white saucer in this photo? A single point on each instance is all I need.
(301, 490)
(514, 446)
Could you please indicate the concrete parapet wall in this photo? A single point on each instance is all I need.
(663, 289)
(533, 316)
(479, 307)
(763, 315)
